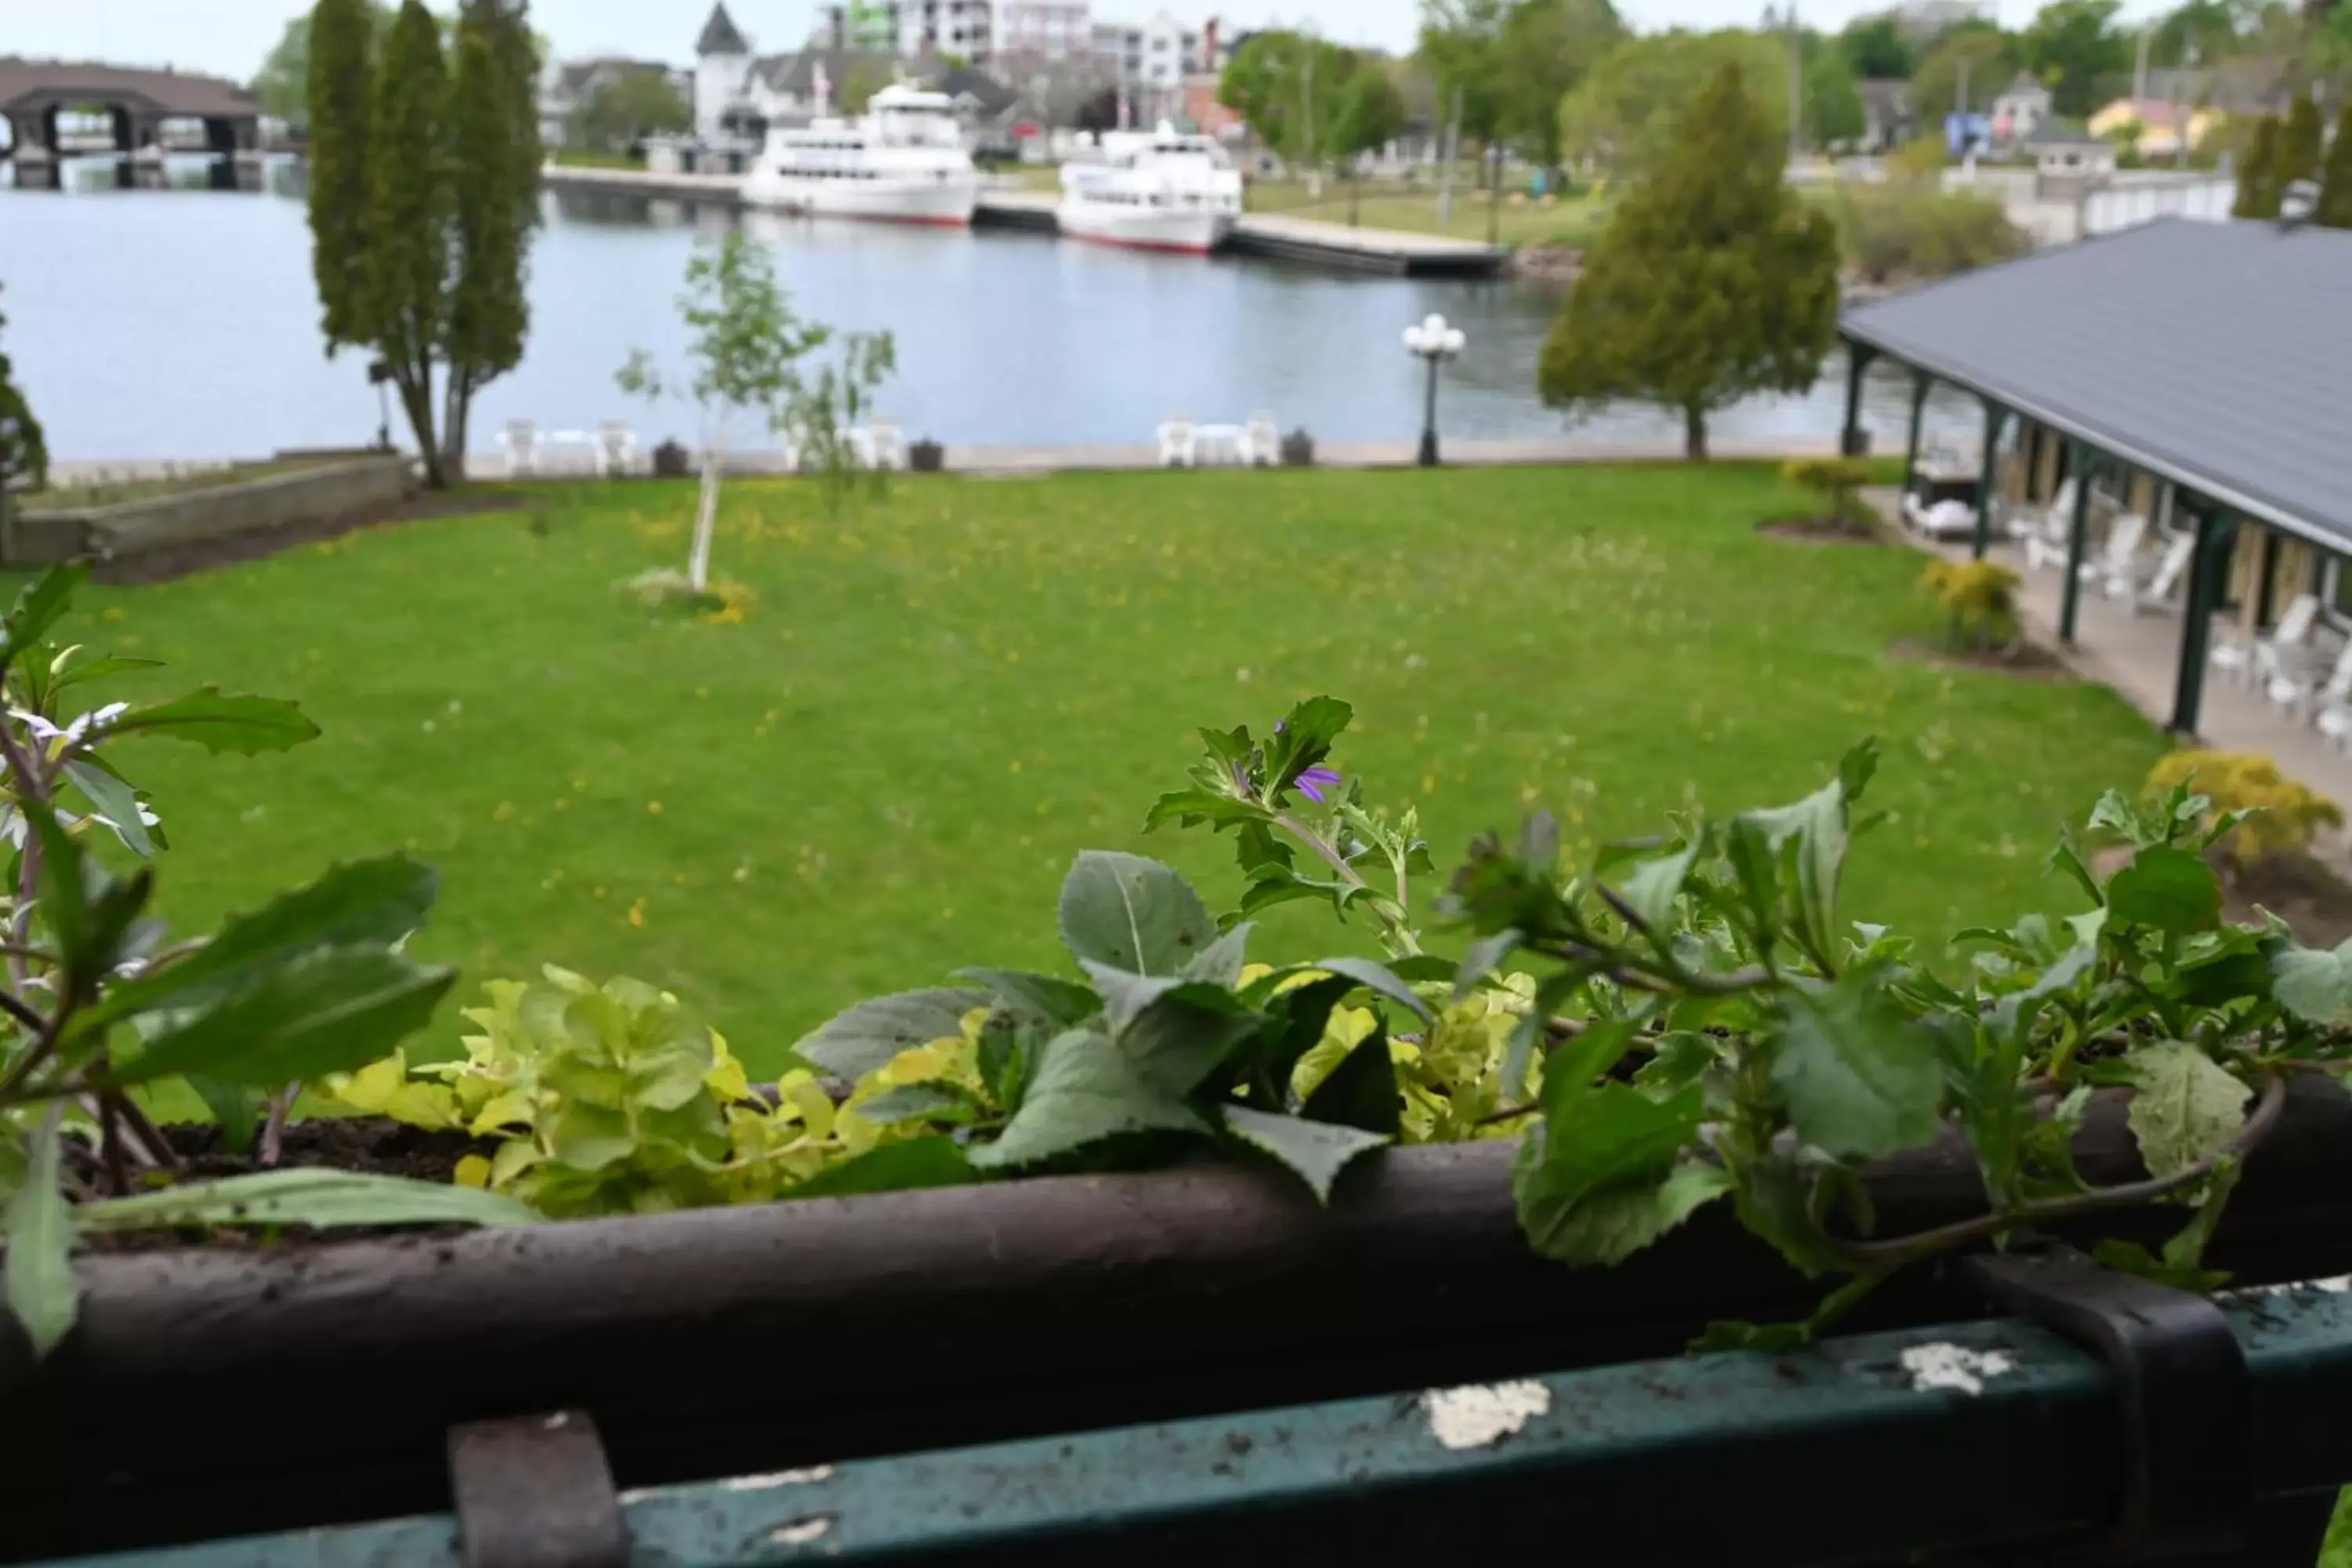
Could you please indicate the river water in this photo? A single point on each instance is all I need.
(182, 324)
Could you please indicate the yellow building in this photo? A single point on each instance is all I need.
(2162, 125)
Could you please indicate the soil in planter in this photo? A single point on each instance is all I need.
(1813, 529)
(2026, 660)
(2299, 888)
(204, 554)
(372, 1144)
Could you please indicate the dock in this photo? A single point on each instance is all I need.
(1268, 236)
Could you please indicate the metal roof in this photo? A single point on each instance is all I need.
(2218, 355)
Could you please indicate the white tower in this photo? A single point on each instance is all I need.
(722, 71)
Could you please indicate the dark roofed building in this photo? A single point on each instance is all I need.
(33, 91)
(720, 36)
(2209, 362)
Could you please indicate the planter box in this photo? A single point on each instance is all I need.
(340, 486)
(233, 1392)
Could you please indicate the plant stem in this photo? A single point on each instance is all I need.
(1879, 1256)
(1389, 914)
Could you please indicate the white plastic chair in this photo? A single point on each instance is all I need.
(521, 441)
(1265, 440)
(2045, 546)
(2171, 568)
(2300, 695)
(2117, 565)
(789, 447)
(886, 445)
(617, 448)
(1176, 450)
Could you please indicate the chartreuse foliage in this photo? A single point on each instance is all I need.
(99, 1008)
(2274, 815)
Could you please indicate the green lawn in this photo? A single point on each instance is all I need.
(1574, 220)
(883, 773)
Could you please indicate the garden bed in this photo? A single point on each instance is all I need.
(2028, 661)
(315, 1384)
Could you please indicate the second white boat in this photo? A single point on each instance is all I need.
(904, 162)
(1157, 190)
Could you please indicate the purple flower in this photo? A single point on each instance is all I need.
(1315, 781)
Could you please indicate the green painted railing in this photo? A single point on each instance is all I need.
(1986, 1441)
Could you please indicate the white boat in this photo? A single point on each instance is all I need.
(903, 161)
(1155, 190)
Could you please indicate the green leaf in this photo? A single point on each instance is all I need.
(1085, 1091)
(1178, 1041)
(1594, 1145)
(39, 605)
(333, 1011)
(1046, 998)
(1362, 1091)
(320, 1198)
(1758, 1339)
(2167, 890)
(1304, 739)
(871, 1035)
(1220, 963)
(918, 1163)
(2188, 1108)
(99, 669)
(1655, 885)
(1380, 979)
(916, 1102)
(1315, 1151)
(367, 902)
(37, 1277)
(115, 801)
(2067, 859)
(236, 1107)
(1484, 957)
(247, 725)
(1817, 826)
(1860, 1080)
(1609, 1225)
(1133, 914)
(2314, 986)
(1126, 996)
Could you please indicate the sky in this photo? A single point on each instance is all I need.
(229, 37)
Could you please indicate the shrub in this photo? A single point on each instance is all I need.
(1835, 480)
(1921, 158)
(1981, 597)
(1895, 233)
(2259, 810)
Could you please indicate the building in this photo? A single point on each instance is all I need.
(912, 29)
(2195, 374)
(564, 88)
(2069, 162)
(2022, 106)
(1045, 29)
(2164, 129)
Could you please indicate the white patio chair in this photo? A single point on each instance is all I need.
(1176, 447)
(519, 440)
(2267, 658)
(2170, 566)
(788, 446)
(2045, 543)
(2301, 695)
(1265, 440)
(886, 445)
(616, 447)
(2118, 562)
(1221, 444)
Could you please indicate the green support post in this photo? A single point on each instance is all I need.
(2078, 463)
(2216, 533)
(1995, 414)
(1857, 360)
(1918, 411)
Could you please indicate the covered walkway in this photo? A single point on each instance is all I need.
(2194, 383)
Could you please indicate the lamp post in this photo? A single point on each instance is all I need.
(1435, 342)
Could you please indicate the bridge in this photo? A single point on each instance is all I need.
(35, 93)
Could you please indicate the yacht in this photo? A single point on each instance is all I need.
(1157, 190)
(902, 162)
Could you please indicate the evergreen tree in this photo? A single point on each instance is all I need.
(24, 454)
(2258, 186)
(342, 38)
(2336, 184)
(1712, 281)
(2298, 145)
(494, 167)
(409, 218)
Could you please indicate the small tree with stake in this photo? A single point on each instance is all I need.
(1713, 282)
(747, 346)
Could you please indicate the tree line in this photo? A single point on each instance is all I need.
(424, 167)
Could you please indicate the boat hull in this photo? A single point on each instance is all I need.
(1177, 230)
(945, 202)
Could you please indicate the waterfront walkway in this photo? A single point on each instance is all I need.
(1267, 235)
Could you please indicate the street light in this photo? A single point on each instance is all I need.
(1435, 342)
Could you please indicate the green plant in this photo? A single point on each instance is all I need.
(495, 158)
(2269, 814)
(100, 1008)
(24, 454)
(2334, 209)
(1836, 480)
(1712, 281)
(1912, 233)
(1978, 596)
(2261, 173)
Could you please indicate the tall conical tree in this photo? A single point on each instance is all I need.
(2299, 142)
(495, 170)
(408, 220)
(2335, 181)
(2258, 183)
(341, 99)
(1712, 281)
(24, 454)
